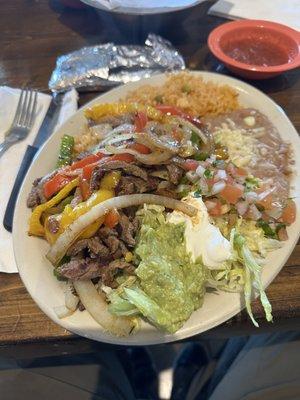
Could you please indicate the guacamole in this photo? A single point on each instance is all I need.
(166, 272)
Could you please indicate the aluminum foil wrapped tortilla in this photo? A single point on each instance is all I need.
(102, 66)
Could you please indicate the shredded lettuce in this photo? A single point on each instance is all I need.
(149, 308)
(229, 278)
(243, 272)
(120, 306)
(252, 279)
(253, 234)
(134, 301)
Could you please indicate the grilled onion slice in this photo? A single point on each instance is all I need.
(73, 231)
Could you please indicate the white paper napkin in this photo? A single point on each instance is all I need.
(285, 12)
(11, 160)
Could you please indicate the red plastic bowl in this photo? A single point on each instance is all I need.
(266, 33)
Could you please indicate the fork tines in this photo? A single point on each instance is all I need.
(26, 109)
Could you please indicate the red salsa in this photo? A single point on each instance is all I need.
(256, 52)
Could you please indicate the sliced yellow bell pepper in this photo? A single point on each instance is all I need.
(86, 234)
(101, 110)
(110, 180)
(69, 214)
(51, 237)
(35, 226)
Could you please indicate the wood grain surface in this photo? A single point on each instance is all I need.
(32, 34)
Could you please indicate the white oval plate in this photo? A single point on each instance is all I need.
(36, 271)
(142, 10)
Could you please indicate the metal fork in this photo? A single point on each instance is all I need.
(23, 119)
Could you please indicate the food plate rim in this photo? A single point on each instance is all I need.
(156, 337)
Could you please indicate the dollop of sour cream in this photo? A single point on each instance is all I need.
(203, 239)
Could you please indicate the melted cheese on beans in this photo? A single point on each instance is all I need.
(242, 146)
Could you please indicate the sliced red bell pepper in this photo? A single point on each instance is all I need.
(87, 160)
(84, 189)
(122, 157)
(140, 121)
(56, 183)
(140, 148)
(172, 110)
(88, 170)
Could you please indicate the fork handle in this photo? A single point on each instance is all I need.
(10, 208)
(4, 146)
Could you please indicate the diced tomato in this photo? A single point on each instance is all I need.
(122, 157)
(54, 185)
(261, 188)
(241, 171)
(282, 234)
(84, 189)
(231, 193)
(266, 202)
(190, 165)
(265, 217)
(216, 210)
(112, 218)
(92, 158)
(229, 180)
(211, 181)
(236, 171)
(231, 169)
(289, 212)
(140, 148)
(140, 121)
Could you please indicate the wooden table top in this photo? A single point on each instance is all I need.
(33, 34)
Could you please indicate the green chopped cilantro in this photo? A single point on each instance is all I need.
(268, 231)
(208, 174)
(202, 156)
(251, 183)
(195, 138)
(184, 180)
(184, 193)
(186, 88)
